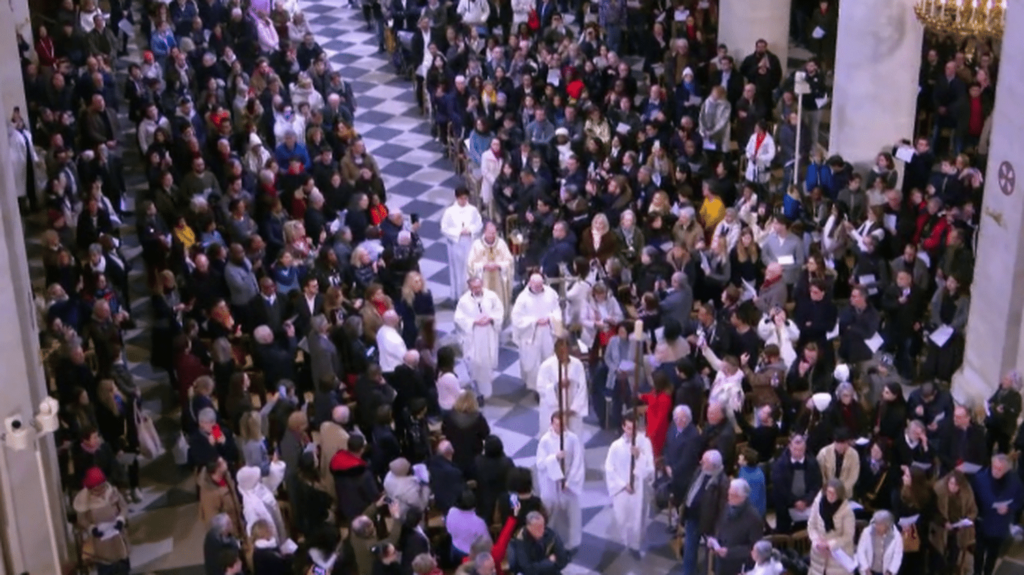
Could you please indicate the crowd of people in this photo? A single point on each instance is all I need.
(775, 347)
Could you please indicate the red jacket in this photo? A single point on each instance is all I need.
(498, 551)
(937, 235)
(659, 411)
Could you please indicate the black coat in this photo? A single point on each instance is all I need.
(277, 360)
(782, 481)
(271, 561)
(738, 530)
(446, 482)
(708, 503)
(467, 433)
(957, 446)
(533, 556)
(682, 454)
(354, 485)
(491, 478)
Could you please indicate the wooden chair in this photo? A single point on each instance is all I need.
(780, 541)
(801, 542)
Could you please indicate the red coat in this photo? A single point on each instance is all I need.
(659, 412)
(934, 240)
(188, 369)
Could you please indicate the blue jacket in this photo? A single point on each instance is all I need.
(818, 175)
(758, 491)
(283, 155)
(989, 491)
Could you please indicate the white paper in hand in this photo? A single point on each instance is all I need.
(821, 102)
(905, 153)
(963, 523)
(969, 468)
(834, 333)
(908, 521)
(622, 128)
(680, 15)
(289, 547)
(845, 560)
(797, 515)
(709, 145)
(786, 260)
(818, 33)
(874, 342)
(941, 335)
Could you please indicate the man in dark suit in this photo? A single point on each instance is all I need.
(408, 382)
(730, 79)
(275, 357)
(857, 323)
(702, 505)
(796, 481)
(678, 300)
(92, 223)
(961, 441)
(682, 451)
(753, 61)
(719, 434)
(904, 304)
(315, 219)
(268, 308)
(309, 304)
(446, 480)
(739, 527)
(715, 333)
(950, 100)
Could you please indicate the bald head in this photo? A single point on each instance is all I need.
(445, 448)
(411, 358)
(340, 414)
(391, 318)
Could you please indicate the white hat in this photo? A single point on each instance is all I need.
(562, 132)
(687, 71)
(821, 401)
(841, 373)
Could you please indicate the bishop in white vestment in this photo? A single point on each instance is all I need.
(536, 321)
(491, 260)
(478, 318)
(573, 387)
(629, 503)
(460, 224)
(562, 485)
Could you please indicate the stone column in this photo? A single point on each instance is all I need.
(741, 23)
(12, 90)
(25, 533)
(994, 342)
(874, 100)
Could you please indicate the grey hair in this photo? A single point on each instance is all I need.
(715, 457)
(1002, 458)
(404, 237)
(533, 517)
(688, 211)
(207, 415)
(916, 424)
(763, 549)
(838, 486)
(846, 387)
(679, 278)
(318, 323)
(740, 485)
(683, 410)
(315, 197)
(481, 559)
(263, 335)
(881, 516)
(95, 249)
(221, 523)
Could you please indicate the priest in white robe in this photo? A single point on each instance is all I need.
(478, 318)
(536, 322)
(560, 475)
(460, 224)
(491, 260)
(571, 383)
(629, 501)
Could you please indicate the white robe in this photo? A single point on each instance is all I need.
(391, 347)
(562, 503)
(631, 509)
(609, 311)
(455, 219)
(257, 498)
(535, 342)
(490, 169)
(574, 398)
(759, 161)
(480, 342)
(499, 281)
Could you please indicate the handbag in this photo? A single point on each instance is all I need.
(663, 492)
(180, 450)
(149, 440)
(911, 542)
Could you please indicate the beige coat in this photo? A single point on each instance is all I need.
(214, 499)
(93, 511)
(840, 538)
(333, 438)
(967, 509)
(851, 466)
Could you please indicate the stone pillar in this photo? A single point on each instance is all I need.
(12, 90)
(874, 100)
(994, 342)
(25, 533)
(741, 23)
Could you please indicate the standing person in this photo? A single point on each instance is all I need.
(951, 538)
(491, 261)
(739, 527)
(536, 319)
(478, 318)
(628, 468)
(461, 224)
(702, 505)
(1000, 498)
(102, 512)
(560, 475)
(832, 528)
(563, 374)
(1003, 409)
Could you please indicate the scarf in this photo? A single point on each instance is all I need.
(757, 143)
(828, 511)
(381, 306)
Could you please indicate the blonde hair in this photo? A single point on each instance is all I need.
(293, 231)
(466, 402)
(408, 292)
(250, 427)
(357, 256)
(106, 393)
(601, 219)
(262, 529)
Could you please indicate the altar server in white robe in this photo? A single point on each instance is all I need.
(536, 322)
(572, 384)
(478, 318)
(461, 224)
(629, 503)
(491, 260)
(561, 487)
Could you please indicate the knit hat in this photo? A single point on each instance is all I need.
(93, 478)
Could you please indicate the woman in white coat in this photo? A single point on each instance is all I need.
(490, 168)
(880, 549)
(778, 329)
(257, 495)
(760, 153)
(474, 12)
(831, 528)
(521, 12)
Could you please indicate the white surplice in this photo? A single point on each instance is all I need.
(391, 348)
(631, 509)
(500, 280)
(574, 397)
(480, 342)
(535, 342)
(454, 222)
(562, 503)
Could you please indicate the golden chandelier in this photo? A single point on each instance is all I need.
(959, 19)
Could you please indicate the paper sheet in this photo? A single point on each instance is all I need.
(713, 544)
(941, 335)
(963, 523)
(834, 333)
(554, 77)
(108, 530)
(680, 15)
(969, 468)
(854, 505)
(703, 4)
(874, 342)
(817, 33)
(861, 441)
(797, 515)
(889, 222)
(622, 128)
(905, 153)
(908, 521)
(694, 101)
(1006, 503)
(709, 145)
(749, 292)
(921, 465)
(786, 260)
(821, 102)
(868, 280)
(421, 473)
(289, 547)
(626, 366)
(939, 417)
(925, 258)
(845, 560)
